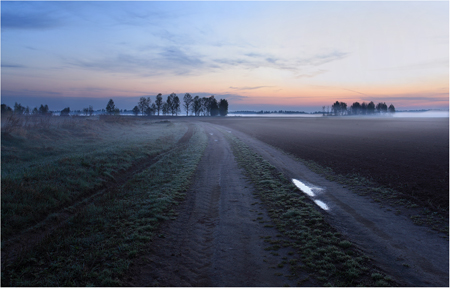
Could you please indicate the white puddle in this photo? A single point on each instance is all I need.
(308, 191)
(321, 204)
(305, 189)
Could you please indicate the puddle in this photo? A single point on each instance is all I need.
(305, 189)
(321, 204)
(308, 190)
(211, 133)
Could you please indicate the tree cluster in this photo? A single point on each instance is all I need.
(340, 108)
(22, 110)
(206, 106)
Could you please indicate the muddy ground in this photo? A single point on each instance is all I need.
(216, 242)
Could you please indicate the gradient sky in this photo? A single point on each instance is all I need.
(258, 55)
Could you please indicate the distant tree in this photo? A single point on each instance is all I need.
(86, 111)
(110, 107)
(158, 102)
(43, 109)
(187, 102)
(27, 111)
(6, 109)
(391, 109)
(223, 107)
(153, 107)
(169, 102)
(144, 104)
(343, 108)
(214, 107)
(196, 106)
(35, 111)
(371, 108)
(364, 108)
(18, 109)
(65, 112)
(381, 107)
(336, 108)
(356, 108)
(323, 110)
(135, 110)
(91, 110)
(116, 111)
(176, 105)
(165, 108)
(206, 106)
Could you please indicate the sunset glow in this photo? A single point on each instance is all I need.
(257, 55)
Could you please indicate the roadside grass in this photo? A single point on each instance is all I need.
(434, 217)
(322, 251)
(98, 245)
(48, 169)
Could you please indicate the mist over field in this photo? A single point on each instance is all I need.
(225, 144)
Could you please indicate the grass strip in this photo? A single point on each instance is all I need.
(322, 251)
(98, 245)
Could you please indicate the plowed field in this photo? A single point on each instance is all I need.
(410, 155)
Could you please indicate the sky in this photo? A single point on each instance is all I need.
(258, 55)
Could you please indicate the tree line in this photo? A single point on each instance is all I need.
(205, 106)
(340, 108)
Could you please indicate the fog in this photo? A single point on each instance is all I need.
(426, 114)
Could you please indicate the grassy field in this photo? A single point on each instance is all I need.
(47, 173)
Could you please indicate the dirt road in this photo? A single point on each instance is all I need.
(215, 242)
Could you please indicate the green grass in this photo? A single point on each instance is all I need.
(324, 253)
(98, 245)
(36, 184)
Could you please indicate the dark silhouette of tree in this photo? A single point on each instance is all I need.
(223, 107)
(356, 108)
(206, 106)
(391, 109)
(214, 108)
(110, 107)
(336, 108)
(165, 108)
(27, 111)
(158, 102)
(43, 109)
(18, 109)
(176, 105)
(381, 107)
(187, 102)
(153, 108)
(35, 111)
(343, 108)
(136, 110)
(196, 106)
(364, 108)
(169, 102)
(65, 112)
(6, 109)
(144, 104)
(371, 108)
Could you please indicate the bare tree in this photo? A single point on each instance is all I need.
(187, 102)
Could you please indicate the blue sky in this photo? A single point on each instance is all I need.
(258, 55)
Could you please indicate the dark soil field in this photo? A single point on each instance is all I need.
(410, 155)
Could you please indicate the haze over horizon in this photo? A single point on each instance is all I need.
(257, 55)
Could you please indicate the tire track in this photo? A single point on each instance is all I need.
(215, 241)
